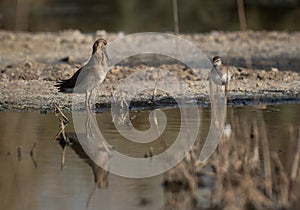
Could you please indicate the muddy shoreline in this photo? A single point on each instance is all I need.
(31, 63)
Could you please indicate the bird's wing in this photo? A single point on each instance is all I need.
(66, 84)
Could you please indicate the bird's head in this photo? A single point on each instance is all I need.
(217, 61)
(100, 46)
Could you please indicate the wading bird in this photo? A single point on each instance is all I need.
(90, 76)
(220, 73)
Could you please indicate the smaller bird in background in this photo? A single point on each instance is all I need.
(90, 76)
(220, 73)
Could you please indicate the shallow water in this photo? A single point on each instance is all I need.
(25, 186)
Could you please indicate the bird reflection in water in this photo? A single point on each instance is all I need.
(71, 140)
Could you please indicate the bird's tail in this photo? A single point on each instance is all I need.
(64, 86)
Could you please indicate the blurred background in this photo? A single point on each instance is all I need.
(156, 15)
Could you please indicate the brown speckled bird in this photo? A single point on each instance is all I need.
(90, 76)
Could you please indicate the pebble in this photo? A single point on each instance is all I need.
(274, 69)
(258, 84)
(68, 59)
(28, 64)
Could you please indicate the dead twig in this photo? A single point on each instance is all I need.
(266, 159)
(296, 163)
(282, 181)
(175, 17)
(19, 153)
(32, 154)
(62, 163)
(242, 15)
(64, 121)
(59, 113)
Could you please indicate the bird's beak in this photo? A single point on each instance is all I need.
(105, 53)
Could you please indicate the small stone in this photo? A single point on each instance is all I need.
(28, 46)
(114, 70)
(101, 33)
(258, 84)
(274, 69)
(68, 59)
(43, 111)
(28, 64)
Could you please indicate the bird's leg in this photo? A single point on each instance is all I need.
(89, 112)
(88, 128)
(227, 82)
(87, 101)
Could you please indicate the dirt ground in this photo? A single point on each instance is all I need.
(265, 67)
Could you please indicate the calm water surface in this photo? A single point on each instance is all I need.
(24, 186)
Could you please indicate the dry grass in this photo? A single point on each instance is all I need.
(245, 173)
